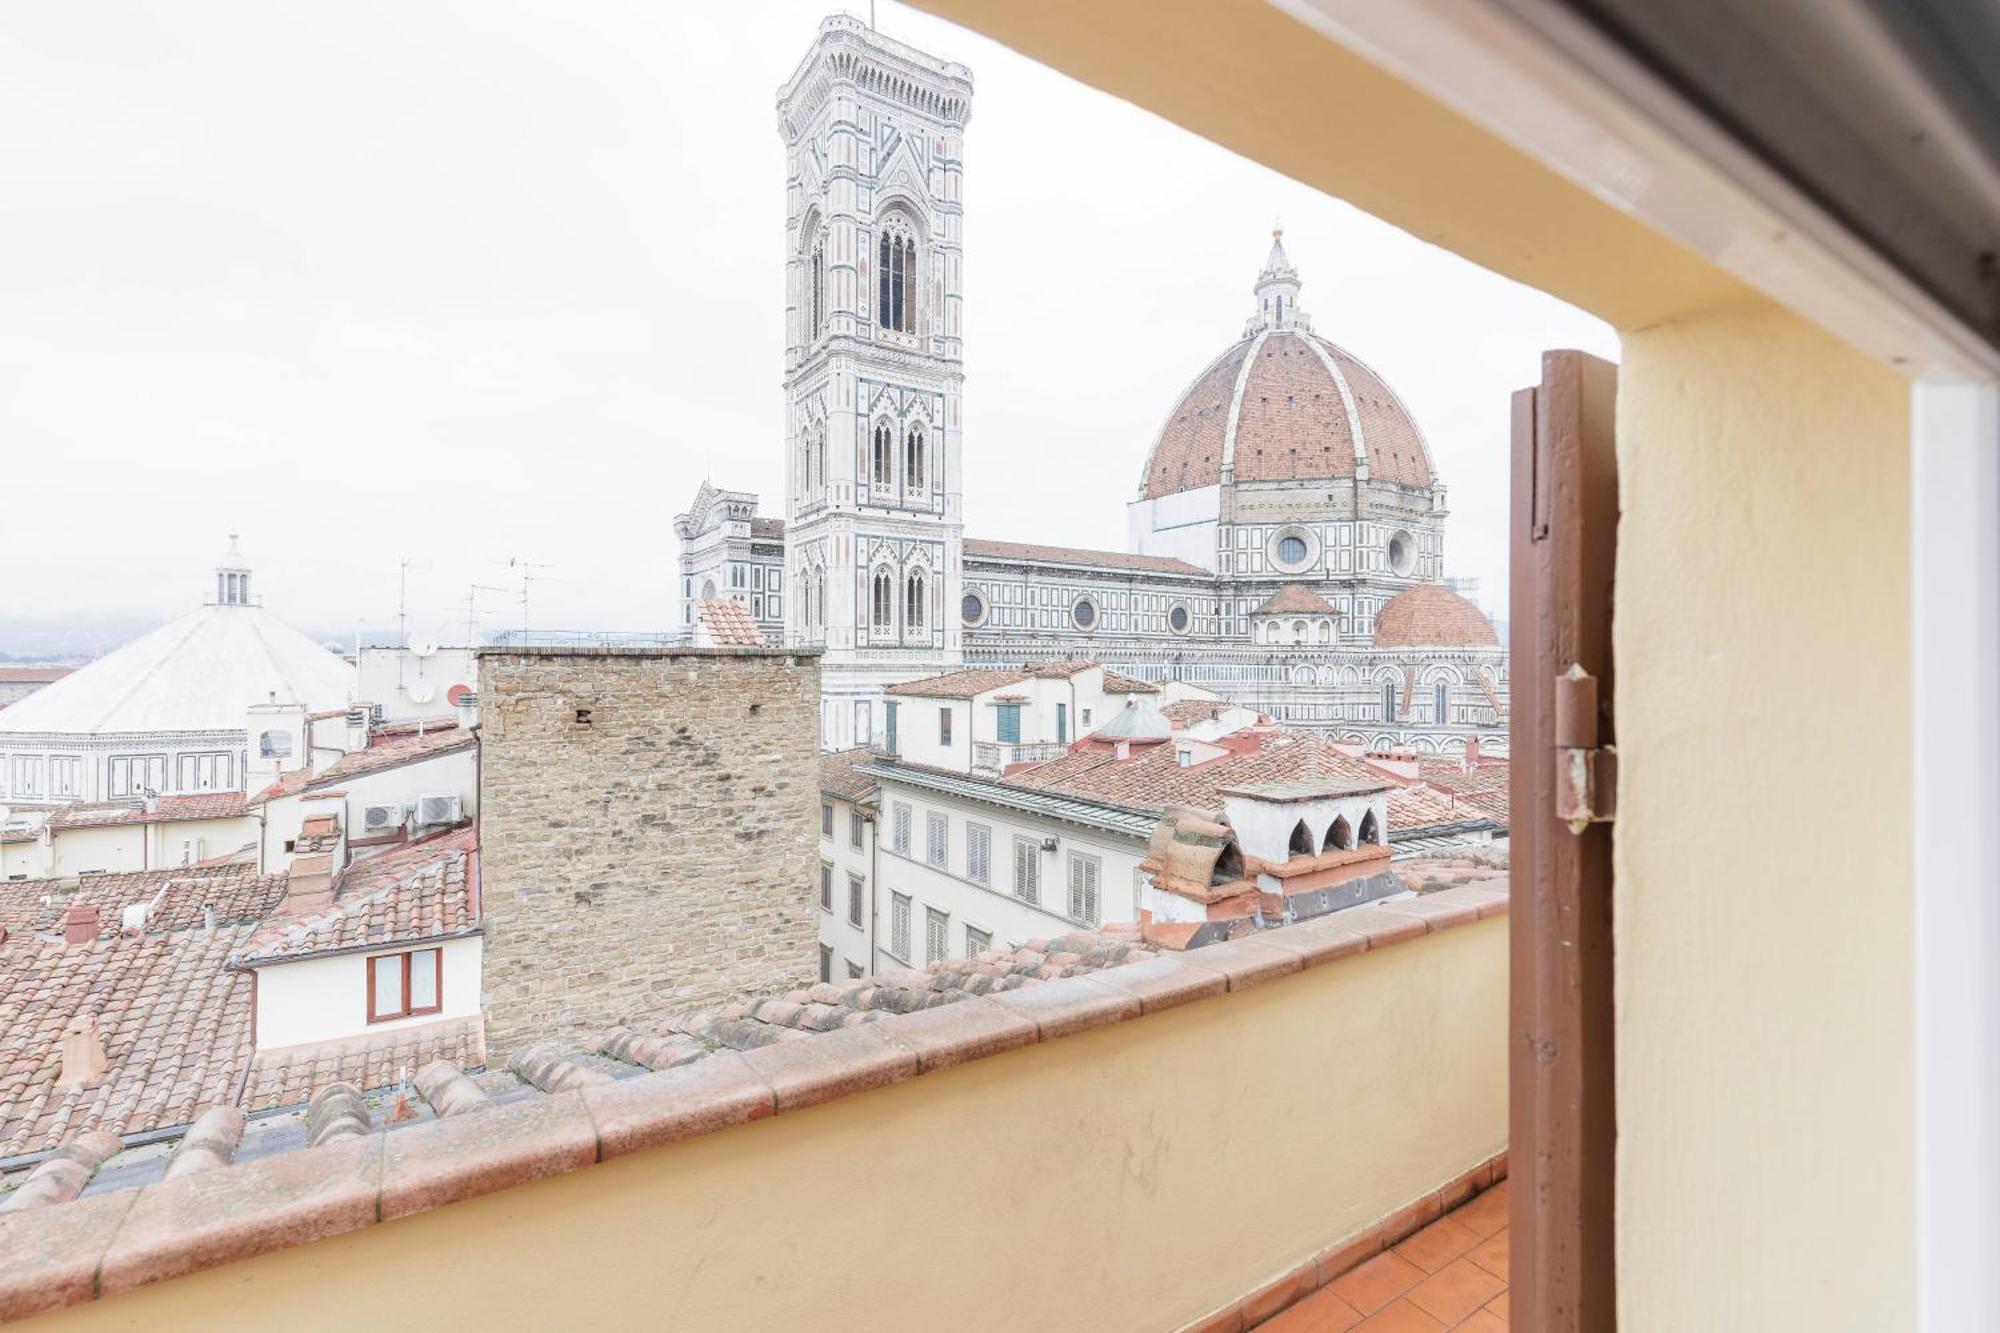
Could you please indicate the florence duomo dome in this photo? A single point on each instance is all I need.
(1288, 499)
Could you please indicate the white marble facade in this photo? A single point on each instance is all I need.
(1288, 502)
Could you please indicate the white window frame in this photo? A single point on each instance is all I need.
(899, 828)
(979, 853)
(1085, 900)
(1027, 856)
(937, 839)
(899, 927)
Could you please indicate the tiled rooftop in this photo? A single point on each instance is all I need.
(974, 681)
(421, 891)
(728, 622)
(840, 773)
(1294, 599)
(977, 548)
(638, 1088)
(170, 1010)
(1431, 615)
(166, 810)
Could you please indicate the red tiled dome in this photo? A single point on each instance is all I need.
(1294, 422)
(1431, 615)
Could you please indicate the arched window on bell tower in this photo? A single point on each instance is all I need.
(883, 599)
(913, 459)
(896, 276)
(915, 600)
(883, 464)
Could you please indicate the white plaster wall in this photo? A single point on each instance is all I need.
(993, 908)
(325, 999)
(850, 943)
(110, 849)
(917, 732)
(386, 675)
(1181, 525)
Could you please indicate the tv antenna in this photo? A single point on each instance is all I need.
(472, 592)
(529, 578)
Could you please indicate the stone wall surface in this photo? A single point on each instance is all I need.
(648, 833)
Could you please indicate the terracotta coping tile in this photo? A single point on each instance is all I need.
(1408, 1220)
(1385, 927)
(1164, 981)
(1282, 1291)
(427, 1166)
(53, 1253)
(1226, 1320)
(1069, 1005)
(675, 1104)
(833, 1064)
(1326, 938)
(951, 1034)
(1342, 1256)
(1251, 960)
(1438, 911)
(198, 1221)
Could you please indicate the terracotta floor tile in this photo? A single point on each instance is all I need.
(1455, 1291)
(1321, 1312)
(1491, 1254)
(1374, 1284)
(1486, 1214)
(1482, 1321)
(1438, 1244)
(1498, 1305)
(1399, 1317)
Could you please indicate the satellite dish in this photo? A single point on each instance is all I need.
(420, 691)
(423, 647)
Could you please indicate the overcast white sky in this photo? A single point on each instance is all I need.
(470, 281)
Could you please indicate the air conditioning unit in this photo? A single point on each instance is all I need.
(384, 818)
(433, 810)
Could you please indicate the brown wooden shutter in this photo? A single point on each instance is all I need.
(1561, 1114)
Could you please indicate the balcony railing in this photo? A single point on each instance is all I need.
(994, 757)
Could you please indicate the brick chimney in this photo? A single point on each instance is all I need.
(83, 1061)
(80, 924)
(308, 892)
(1471, 753)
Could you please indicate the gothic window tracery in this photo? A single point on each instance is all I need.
(913, 459)
(883, 599)
(884, 457)
(915, 599)
(896, 277)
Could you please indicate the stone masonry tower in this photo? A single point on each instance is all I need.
(874, 139)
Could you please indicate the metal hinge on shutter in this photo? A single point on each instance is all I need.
(1586, 773)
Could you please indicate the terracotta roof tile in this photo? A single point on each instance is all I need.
(414, 893)
(728, 622)
(840, 773)
(977, 548)
(387, 749)
(1117, 684)
(289, 1075)
(1295, 599)
(1431, 615)
(167, 810)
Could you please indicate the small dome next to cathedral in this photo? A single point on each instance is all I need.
(1283, 404)
(1431, 615)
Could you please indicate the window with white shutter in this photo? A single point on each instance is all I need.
(899, 834)
(937, 935)
(977, 942)
(855, 887)
(935, 834)
(826, 886)
(979, 853)
(899, 925)
(1027, 870)
(1083, 873)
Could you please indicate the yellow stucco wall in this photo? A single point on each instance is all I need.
(1131, 1177)
(1763, 651)
(1766, 1076)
